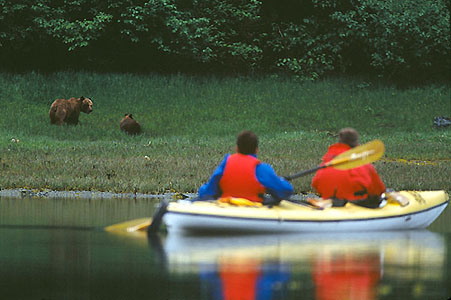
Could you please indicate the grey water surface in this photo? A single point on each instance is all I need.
(55, 248)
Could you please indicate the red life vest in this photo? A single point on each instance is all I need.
(353, 184)
(239, 179)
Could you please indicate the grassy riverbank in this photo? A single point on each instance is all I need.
(189, 124)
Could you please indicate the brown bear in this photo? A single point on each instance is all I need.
(129, 125)
(67, 111)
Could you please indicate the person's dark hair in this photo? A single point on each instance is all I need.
(348, 136)
(247, 142)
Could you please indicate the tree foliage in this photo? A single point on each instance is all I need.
(309, 38)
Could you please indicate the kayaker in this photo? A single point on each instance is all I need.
(242, 175)
(361, 185)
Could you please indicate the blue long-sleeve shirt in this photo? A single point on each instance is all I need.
(265, 174)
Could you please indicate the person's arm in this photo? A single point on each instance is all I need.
(211, 190)
(274, 184)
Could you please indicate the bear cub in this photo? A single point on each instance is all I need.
(129, 125)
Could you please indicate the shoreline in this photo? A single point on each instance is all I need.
(93, 195)
(88, 195)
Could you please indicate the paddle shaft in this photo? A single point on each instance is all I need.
(158, 217)
(309, 171)
(303, 173)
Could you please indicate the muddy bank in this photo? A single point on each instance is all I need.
(31, 193)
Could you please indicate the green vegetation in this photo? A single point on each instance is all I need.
(190, 123)
(406, 40)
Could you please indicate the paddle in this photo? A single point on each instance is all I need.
(151, 225)
(158, 217)
(354, 157)
(130, 226)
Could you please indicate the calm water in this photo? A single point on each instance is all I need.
(50, 249)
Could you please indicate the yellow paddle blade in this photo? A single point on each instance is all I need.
(130, 226)
(358, 156)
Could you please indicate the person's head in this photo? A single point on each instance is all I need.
(348, 136)
(247, 142)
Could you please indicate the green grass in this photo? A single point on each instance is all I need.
(189, 124)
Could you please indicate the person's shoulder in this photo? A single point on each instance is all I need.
(265, 166)
(225, 158)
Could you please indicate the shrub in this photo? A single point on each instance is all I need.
(396, 38)
(408, 39)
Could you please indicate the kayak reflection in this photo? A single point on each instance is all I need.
(308, 266)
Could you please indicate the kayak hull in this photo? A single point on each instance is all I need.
(211, 216)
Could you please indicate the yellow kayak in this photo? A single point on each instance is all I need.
(417, 210)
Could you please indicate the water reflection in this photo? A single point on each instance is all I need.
(43, 257)
(72, 212)
(382, 265)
